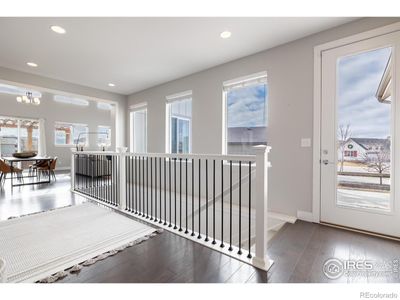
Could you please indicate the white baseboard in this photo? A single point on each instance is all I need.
(283, 217)
(63, 169)
(305, 216)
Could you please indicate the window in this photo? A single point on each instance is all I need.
(104, 106)
(70, 100)
(19, 91)
(350, 153)
(245, 101)
(139, 130)
(69, 134)
(18, 135)
(179, 123)
(104, 136)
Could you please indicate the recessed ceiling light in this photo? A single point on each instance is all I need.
(226, 34)
(58, 29)
(32, 64)
(111, 84)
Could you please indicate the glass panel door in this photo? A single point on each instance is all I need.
(364, 129)
(18, 135)
(28, 135)
(360, 137)
(8, 136)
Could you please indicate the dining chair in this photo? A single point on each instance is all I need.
(34, 167)
(45, 169)
(6, 169)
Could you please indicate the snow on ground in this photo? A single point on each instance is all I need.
(364, 199)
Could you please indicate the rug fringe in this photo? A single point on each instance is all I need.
(54, 277)
(37, 212)
(77, 268)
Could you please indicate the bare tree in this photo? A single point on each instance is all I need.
(378, 161)
(344, 134)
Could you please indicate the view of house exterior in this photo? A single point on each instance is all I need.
(362, 149)
(364, 146)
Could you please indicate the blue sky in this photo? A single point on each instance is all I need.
(247, 106)
(358, 79)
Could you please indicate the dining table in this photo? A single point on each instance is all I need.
(12, 161)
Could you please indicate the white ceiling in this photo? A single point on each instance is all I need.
(137, 53)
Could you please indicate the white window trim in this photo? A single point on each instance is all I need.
(249, 80)
(169, 100)
(69, 123)
(132, 109)
(138, 106)
(179, 96)
(256, 78)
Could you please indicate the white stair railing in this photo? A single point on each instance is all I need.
(206, 198)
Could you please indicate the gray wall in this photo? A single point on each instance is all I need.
(50, 85)
(290, 80)
(53, 112)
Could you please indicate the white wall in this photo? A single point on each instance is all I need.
(53, 112)
(290, 80)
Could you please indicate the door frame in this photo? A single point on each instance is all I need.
(315, 215)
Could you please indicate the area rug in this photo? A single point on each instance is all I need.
(37, 246)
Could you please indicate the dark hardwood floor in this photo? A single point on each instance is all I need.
(299, 250)
(36, 198)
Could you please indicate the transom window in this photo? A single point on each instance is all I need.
(69, 134)
(179, 123)
(246, 120)
(71, 100)
(104, 106)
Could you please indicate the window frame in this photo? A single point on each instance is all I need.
(187, 95)
(133, 110)
(245, 81)
(72, 134)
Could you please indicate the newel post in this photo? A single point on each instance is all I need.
(122, 181)
(72, 170)
(261, 258)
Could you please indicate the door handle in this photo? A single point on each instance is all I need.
(327, 162)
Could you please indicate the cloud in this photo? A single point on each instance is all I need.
(358, 79)
(247, 106)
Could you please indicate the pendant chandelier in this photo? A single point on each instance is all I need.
(28, 99)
